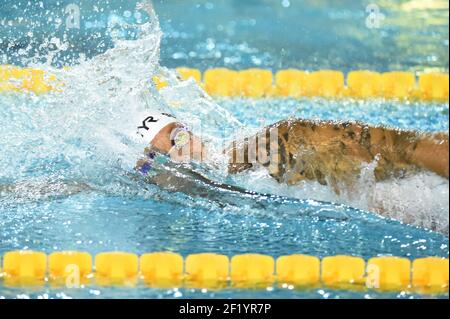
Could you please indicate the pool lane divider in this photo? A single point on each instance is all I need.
(428, 275)
(261, 83)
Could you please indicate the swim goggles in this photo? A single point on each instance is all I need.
(180, 137)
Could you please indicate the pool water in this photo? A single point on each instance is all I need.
(70, 155)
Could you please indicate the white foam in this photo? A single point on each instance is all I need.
(420, 200)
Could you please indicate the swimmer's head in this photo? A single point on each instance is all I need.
(163, 132)
(153, 124)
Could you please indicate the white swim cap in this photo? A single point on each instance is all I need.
(152, 123)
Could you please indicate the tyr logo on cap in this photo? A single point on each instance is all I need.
(153, 124)
(149, 119)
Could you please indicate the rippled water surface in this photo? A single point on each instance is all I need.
(66, 160)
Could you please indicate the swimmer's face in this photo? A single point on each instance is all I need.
(192, 150)
(162, 140)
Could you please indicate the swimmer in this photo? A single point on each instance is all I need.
(331, 153)
(170, 146)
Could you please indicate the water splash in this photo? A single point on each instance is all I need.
(397, 198)
(84, 139)
(86, 134)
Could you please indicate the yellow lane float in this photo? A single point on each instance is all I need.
(216, 271)
(261, 83)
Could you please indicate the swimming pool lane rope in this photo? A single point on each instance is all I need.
(260, 83)
(423, 275)
(215, 271)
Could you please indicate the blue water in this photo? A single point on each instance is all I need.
(276, 34)
(49, 157)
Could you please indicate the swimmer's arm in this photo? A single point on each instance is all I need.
(431, 152)
(363, 142)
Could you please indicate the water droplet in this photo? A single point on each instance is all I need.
(286, 3)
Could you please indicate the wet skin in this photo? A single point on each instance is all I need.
(334, 152)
